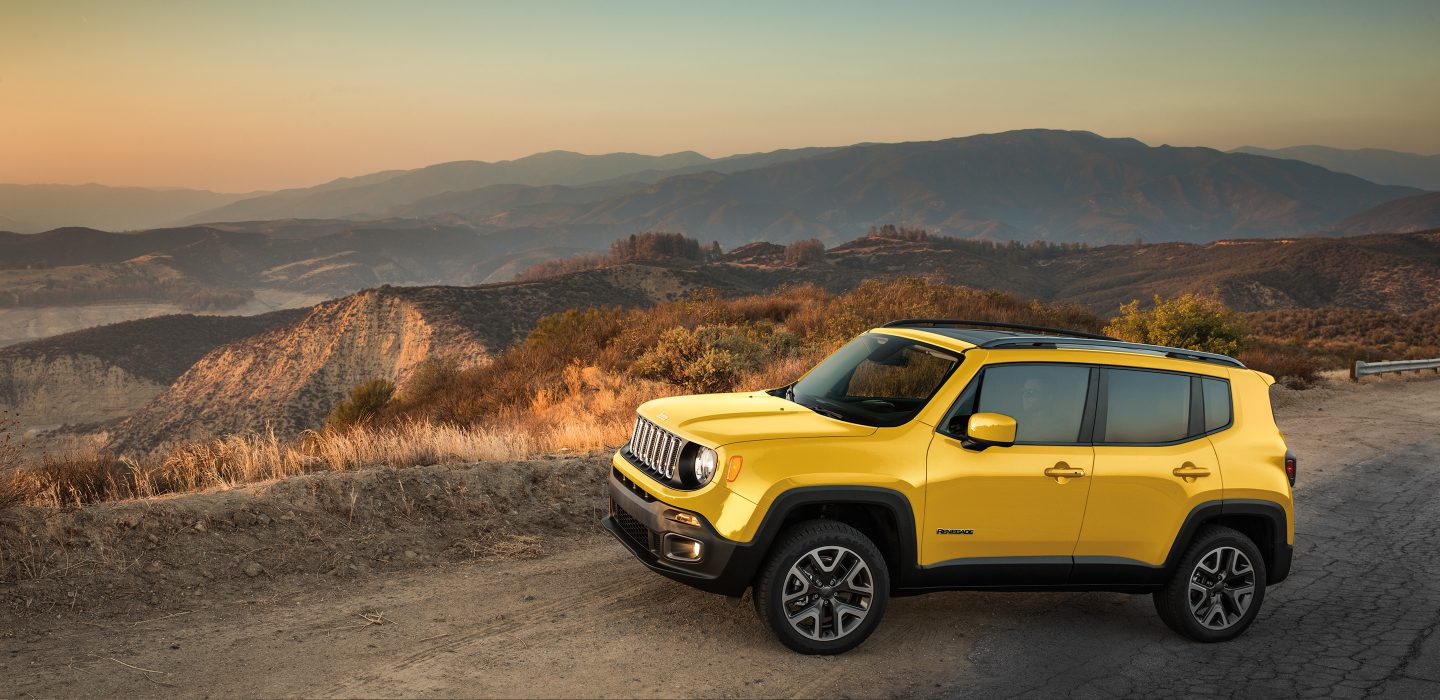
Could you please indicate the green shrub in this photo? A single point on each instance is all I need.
(1189, 321)
(712, 358)
(363, 404)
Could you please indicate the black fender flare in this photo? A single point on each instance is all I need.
(894, 502)
(1277, 550)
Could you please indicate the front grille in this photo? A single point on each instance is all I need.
(634, 529)
(656, 448)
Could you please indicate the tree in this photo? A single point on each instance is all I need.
(1189, 321)
(804, 252)
(363, 404)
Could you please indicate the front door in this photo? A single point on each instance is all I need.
(1016, 511)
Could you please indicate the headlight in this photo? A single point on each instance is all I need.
(704, 465)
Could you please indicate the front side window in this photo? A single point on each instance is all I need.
(1046, 401)
(1146, 407)
(876, 380)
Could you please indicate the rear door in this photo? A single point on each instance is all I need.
(1153, 465)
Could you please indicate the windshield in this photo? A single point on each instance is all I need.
(877, 380)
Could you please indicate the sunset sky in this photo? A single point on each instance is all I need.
(260, 95)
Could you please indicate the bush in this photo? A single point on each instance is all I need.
(364, 403)
(712, 358)
(1290, 365)
(1190, 321)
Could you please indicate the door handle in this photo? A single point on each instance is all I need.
(1063, 472)
(1189, 472)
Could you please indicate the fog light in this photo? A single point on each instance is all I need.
(681, 548)
(682, 517)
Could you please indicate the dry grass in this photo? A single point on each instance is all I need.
(591, 411)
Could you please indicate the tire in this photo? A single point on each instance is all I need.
(1216, 589)
(823, 588)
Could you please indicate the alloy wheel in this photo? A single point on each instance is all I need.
(1222, 587)
(827, 593)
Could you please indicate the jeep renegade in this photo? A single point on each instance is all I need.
(932, 455)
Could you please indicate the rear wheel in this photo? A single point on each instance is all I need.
(1216, 591)
(823, 589)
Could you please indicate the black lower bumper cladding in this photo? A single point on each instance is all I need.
(725, 567)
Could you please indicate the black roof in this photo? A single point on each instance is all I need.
(1020, 336)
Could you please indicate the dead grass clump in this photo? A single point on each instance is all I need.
(14, 489)
(1291, 366)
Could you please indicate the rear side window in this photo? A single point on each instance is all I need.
(1217, 403)
(1046, 401)
(1147, 407)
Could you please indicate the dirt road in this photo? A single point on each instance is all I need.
(1357, 616)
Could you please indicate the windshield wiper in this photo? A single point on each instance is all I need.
(828, 412)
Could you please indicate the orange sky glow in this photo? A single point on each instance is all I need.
(250, 96)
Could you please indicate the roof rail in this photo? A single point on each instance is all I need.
(994, 324)
(1112, 344)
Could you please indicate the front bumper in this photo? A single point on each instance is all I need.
(637, 519)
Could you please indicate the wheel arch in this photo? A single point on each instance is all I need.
(1262, 521)
(884, 515)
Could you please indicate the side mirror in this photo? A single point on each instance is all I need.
(989, 430)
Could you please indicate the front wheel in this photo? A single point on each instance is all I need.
(1216, 591)
(823, 589)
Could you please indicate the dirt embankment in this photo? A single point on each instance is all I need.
(149, 554)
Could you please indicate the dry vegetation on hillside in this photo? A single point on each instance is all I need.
(572, 384)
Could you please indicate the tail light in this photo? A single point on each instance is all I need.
(1290, 467)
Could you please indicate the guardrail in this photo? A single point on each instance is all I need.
(1365, 369)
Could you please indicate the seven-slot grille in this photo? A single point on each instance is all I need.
(657, 448)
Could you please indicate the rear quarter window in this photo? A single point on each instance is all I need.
(1217, 403)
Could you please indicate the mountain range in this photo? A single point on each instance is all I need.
(1373, 164)
(1019, 185)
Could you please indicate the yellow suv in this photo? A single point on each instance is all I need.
(932, 455)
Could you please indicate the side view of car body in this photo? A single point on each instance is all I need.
(933, 455)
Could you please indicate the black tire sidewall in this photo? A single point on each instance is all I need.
(795, 542)
(1173, 603)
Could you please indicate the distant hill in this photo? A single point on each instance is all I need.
(375, 196)
(1392, 272)
(33, 208)
(333, 258)
(1416, 213)
(1059, 186)
(1373, 164)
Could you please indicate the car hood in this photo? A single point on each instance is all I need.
(720, 419)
